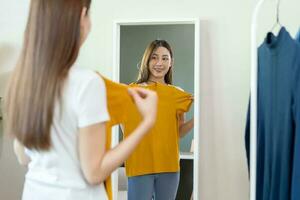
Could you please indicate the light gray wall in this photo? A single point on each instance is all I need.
(225, 75)
(133, 42)
(13, 16)
(11, 173)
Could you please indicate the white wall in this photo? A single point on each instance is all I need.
(12, 22)
(225, 75)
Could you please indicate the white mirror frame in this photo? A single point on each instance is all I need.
(116, 77)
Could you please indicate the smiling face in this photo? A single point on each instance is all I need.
(159, 64)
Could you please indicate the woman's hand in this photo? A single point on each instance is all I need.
(98, 163)
(146, 102)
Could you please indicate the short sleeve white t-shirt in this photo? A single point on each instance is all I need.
(83, 103)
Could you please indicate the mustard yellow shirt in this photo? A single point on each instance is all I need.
(158, 151)
(116, 94)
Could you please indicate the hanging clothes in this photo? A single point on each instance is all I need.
(278, 106)
(296, 165)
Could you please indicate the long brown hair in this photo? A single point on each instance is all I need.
(51, 46)
(144, 72)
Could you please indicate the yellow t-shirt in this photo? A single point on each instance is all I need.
(117, 94)
(159, 149)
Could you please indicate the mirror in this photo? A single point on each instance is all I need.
(130, 41)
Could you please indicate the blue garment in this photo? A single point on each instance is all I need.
(278, 119)
(161, 186)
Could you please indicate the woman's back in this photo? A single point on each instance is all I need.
(83, 103)
(59, 112)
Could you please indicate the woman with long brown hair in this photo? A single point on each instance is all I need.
(153, 168)
(57, 111)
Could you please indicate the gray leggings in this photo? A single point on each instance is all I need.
(162, 186)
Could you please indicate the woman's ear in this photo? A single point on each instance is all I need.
(83, 15)
(85, 24)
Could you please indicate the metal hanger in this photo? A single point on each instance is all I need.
(277, 17)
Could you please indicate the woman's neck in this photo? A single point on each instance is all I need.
(156, 80)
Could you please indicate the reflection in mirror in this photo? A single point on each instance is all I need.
(170, 47)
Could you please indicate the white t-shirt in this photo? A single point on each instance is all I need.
(56, 174)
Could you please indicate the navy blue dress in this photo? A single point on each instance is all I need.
(278, 118)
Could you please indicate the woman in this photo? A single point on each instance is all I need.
(57, 111)
(153, 169)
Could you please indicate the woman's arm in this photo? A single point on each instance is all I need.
(184, 127)
(97, 163)
(20, 153)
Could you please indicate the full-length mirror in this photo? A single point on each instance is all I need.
(165, 53)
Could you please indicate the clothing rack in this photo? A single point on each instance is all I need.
(253, 101)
